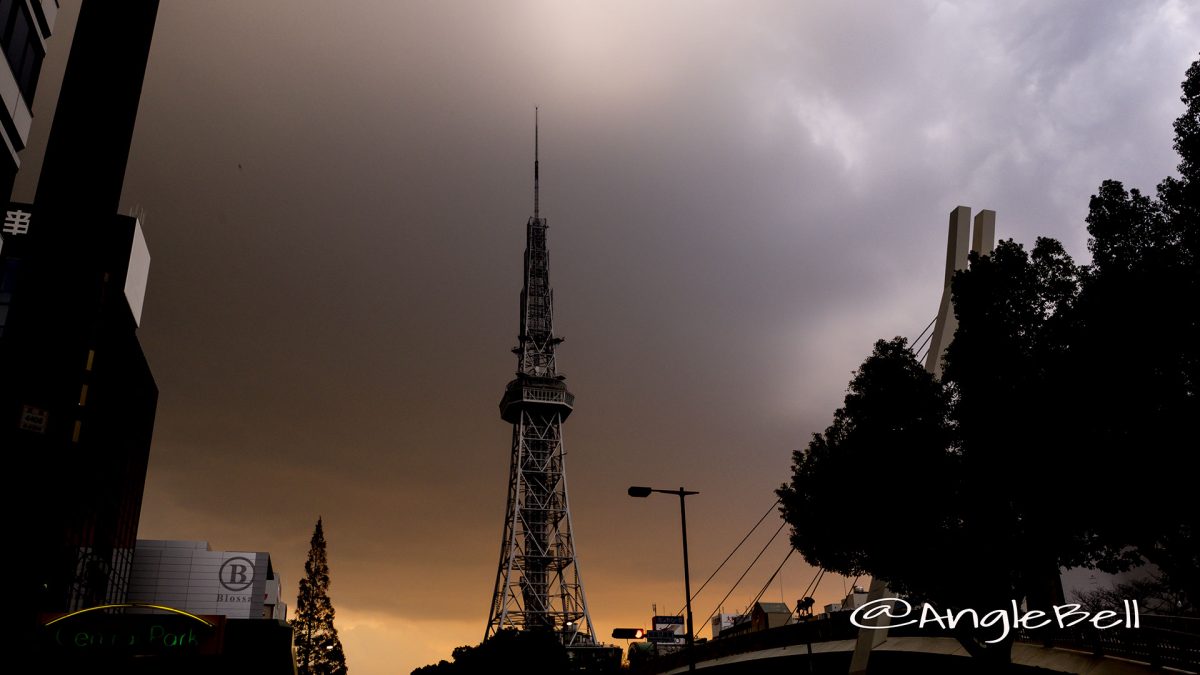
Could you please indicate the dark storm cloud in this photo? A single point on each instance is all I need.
(742, 197)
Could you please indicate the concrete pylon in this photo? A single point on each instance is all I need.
(983, 242)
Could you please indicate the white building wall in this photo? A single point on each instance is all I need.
(188, 575)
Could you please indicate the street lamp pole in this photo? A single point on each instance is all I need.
(637, 491)
(687, 578)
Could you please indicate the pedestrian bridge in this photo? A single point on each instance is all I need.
(787, 650)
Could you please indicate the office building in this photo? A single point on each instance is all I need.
(77, 401)
(25, 26)
(190, 576)
(77, 398)
(189, 609)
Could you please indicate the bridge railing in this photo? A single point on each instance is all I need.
(1160, 647)
(817, 630)
(1162, 642)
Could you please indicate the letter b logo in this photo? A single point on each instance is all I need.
(237, 574)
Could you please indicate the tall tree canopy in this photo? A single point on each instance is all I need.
(532, 652)
(1140, 317)
(1056, 433)
(318, 649)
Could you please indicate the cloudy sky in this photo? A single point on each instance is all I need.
(742, 198)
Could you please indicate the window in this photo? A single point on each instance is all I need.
(22, 48)
(8, 279)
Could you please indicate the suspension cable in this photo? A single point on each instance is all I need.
(918, 344)
(752, 562)
(758, 597)
(735, 550)
(922, 334)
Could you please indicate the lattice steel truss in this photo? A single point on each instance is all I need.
(538, 585)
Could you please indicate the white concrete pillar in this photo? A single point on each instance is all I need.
(956, 259)
(984, 240)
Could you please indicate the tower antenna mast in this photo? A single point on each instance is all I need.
(535, 163)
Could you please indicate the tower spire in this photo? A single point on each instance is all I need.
(535, 162)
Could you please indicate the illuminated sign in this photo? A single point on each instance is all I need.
(124, 605)
(95, 630)
(667, 630)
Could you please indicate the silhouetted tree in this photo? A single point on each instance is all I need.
(1140, 317)
(318, 649)
(1152, 593)
(895, 417)
(1052, 439)
(532, 652)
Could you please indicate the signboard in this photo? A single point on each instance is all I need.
(226, 583)
(34, 419)
(667, 630)
(662, 637)
(722, 622)
(97, 632)
(235, 575)
(17, 220)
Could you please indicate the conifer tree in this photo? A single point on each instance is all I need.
(318, 649)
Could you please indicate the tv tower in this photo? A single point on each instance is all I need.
(537, 581)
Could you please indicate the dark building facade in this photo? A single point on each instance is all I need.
(77, 398)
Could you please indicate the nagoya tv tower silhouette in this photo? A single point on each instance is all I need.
(537, 581)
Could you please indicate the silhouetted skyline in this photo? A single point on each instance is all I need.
(741, 198)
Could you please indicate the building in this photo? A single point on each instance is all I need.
(768, 615)
(190, 576)
(762, 616)
(24, 28)
(77, 401)
(77, 398)
(722, 623)
(189, 609)
(856, 598)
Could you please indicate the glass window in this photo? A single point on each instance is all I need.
(31, 65)
(6, 16)
(14, 48)
(22, 48)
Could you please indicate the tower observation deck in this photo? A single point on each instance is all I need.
(538, 585)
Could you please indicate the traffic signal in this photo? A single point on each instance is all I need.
(628, 633)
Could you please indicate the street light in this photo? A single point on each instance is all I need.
(640, 491)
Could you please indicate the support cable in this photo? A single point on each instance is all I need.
(812, 585)
(924, 344)
(758, 597)
(752, 562)
(922, 334)
(735, 550)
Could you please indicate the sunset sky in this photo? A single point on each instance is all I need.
(742, 197)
